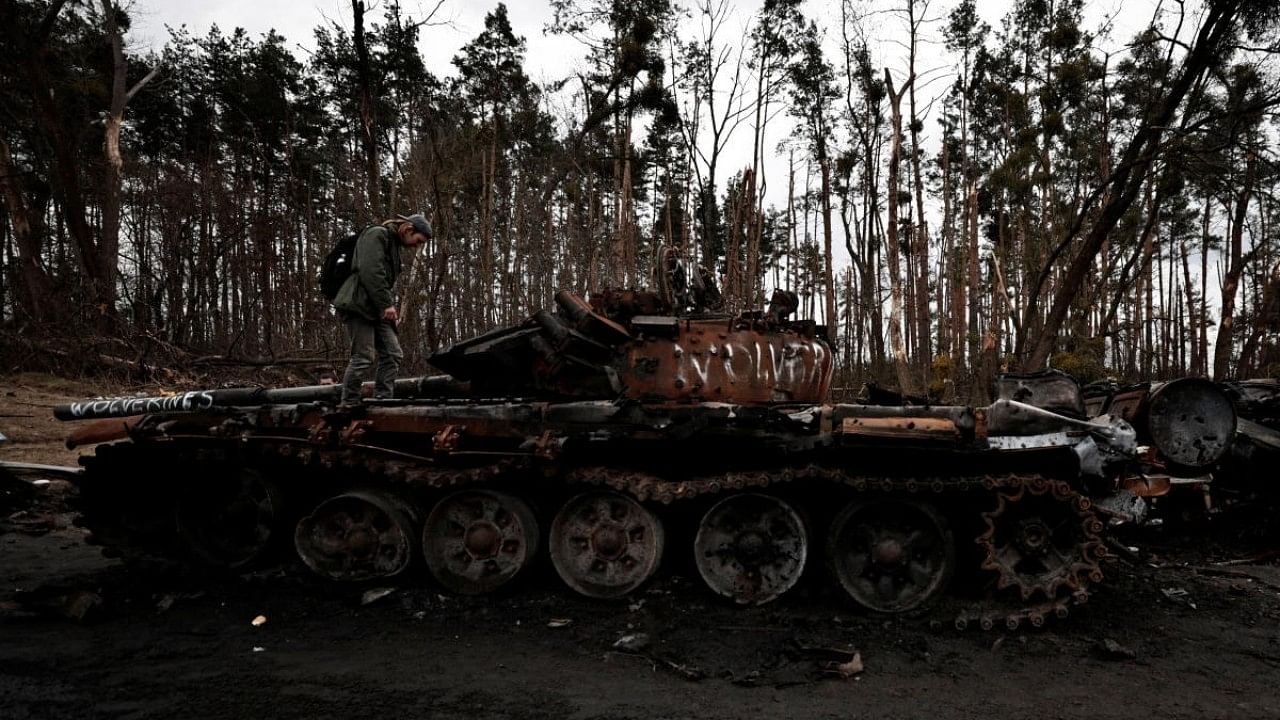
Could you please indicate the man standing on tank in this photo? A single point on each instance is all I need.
(367, 304)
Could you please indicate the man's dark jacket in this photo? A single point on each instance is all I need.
(374, 269)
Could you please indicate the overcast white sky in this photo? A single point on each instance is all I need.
(461, 20)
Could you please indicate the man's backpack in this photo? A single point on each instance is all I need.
(337, 266)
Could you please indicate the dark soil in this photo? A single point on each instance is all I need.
(1182, 631)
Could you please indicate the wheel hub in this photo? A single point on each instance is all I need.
(1034, 537)
(751, 546)
(482, 540)
(361, 541)
(609, 541)
(887, 552)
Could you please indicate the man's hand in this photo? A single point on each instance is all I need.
(390, 315)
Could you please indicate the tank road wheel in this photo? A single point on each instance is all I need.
(1041, 538)
(231, 520)
(476, 541)
(604, 545)
(751, 548)
(355, 536)
(891, 556)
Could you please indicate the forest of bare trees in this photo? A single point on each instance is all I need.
(1044, 199)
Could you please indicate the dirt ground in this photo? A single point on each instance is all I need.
(1191, 629)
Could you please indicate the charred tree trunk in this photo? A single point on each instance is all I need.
(34, 294)
(1231, 282)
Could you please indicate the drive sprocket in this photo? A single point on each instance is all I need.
(1042, 539)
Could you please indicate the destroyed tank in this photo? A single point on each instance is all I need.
(612, 436)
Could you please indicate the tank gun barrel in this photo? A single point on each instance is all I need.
(437, 386)
(192, 401)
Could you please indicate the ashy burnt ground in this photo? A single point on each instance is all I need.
(1188, 629)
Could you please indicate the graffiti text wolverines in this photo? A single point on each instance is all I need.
(184, 402)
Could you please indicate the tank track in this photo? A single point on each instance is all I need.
(1039, 599)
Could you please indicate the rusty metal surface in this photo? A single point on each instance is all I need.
(103, 430)
(1042, 539)
(1147, 486)
(906, 428)
(710, 360)
(587, 350)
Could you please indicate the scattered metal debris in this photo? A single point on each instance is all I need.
(688, 672)
(849, 668)
(375, 594)
(1179, 595)
(632, 642)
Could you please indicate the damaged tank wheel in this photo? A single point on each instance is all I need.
(751, 548)
(1041, 538)
(604, 544)
(891, 556)
(356, 536)
(229, 521)
(476, 541)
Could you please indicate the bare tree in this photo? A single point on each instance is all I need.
(906, 381)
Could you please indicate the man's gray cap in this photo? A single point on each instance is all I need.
(418, 222)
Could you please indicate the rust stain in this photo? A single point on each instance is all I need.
(99, 431)
(1147, 485)
(901, 427)
(709, 361)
